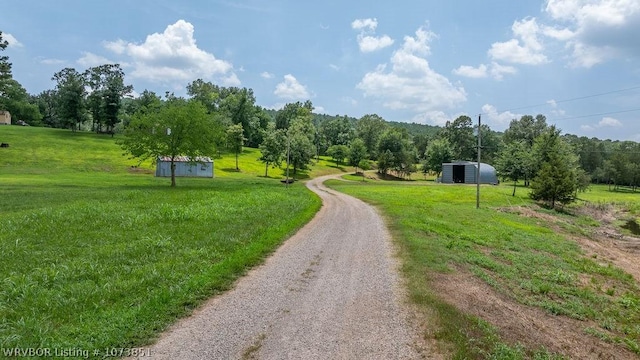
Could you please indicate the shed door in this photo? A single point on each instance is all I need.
(458, 173)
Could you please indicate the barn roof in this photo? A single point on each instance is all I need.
(202, 159)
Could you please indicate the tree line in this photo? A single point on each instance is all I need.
(98, 99)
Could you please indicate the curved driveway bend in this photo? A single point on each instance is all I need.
(329, 292)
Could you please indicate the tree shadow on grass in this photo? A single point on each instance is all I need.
(391, 177)
(339, 167)
(231, 170)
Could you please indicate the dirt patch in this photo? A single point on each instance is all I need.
(523, 324)
(605, 243)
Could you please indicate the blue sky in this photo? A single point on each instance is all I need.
(576, 61)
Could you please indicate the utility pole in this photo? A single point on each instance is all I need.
(288, 152)
(478, 169)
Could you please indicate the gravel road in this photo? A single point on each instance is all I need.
(330, 292)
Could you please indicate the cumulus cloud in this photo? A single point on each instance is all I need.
(472, 72)
(432, 117)
(13, 42)
(498, 118)
(267, 75)
(497, 71)
(367, 41)
(596, 30)
(525, 48)
(606, 122)
(173, 57)
(371, 43)
(291, 89)
(364, 24)
(410, 83)
(90, 60)
(609, 122)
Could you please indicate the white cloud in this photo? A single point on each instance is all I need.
(371, 43)
(555, 110)
(319, 109)
(52, 61)
(13, 42)
(432, 117)
(174, 57)
(119, 46)
(291, 89)
(498, 118)
(498, 71)
(367, 42)
(524, 48)
(365, 24)
(596, 31)
(410, 83)
(90, 60)
(267, 75)
(334, 67)
(609, 122)
(604, 123)
(471, 72)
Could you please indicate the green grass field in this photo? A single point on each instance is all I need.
(439, 231)
(97, 253)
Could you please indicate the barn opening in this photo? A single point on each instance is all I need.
(458, 174)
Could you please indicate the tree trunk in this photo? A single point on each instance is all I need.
(514, 188)
(237, 168)
(266, 170)
(173, 173)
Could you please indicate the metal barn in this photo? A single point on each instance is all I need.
(464, 172)
(185, 167)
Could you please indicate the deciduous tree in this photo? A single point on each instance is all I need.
(459, 134)
(273, 148)
(235, 140)
(514, 163)
(438, 152)
(300, 144)
(369, 128)
(338, 153)
(178, 128)
(357, 153)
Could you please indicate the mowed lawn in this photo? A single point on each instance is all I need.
(97, 253)
(530, 260)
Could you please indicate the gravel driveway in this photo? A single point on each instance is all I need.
(330, 292)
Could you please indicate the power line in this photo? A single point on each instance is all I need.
(599, 114)
(572, 99)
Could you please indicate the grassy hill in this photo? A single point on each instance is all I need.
(98, 253)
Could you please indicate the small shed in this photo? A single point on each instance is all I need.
(185, 167)
(5, 117)
(464, 172)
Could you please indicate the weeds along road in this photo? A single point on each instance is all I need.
(330, 292)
